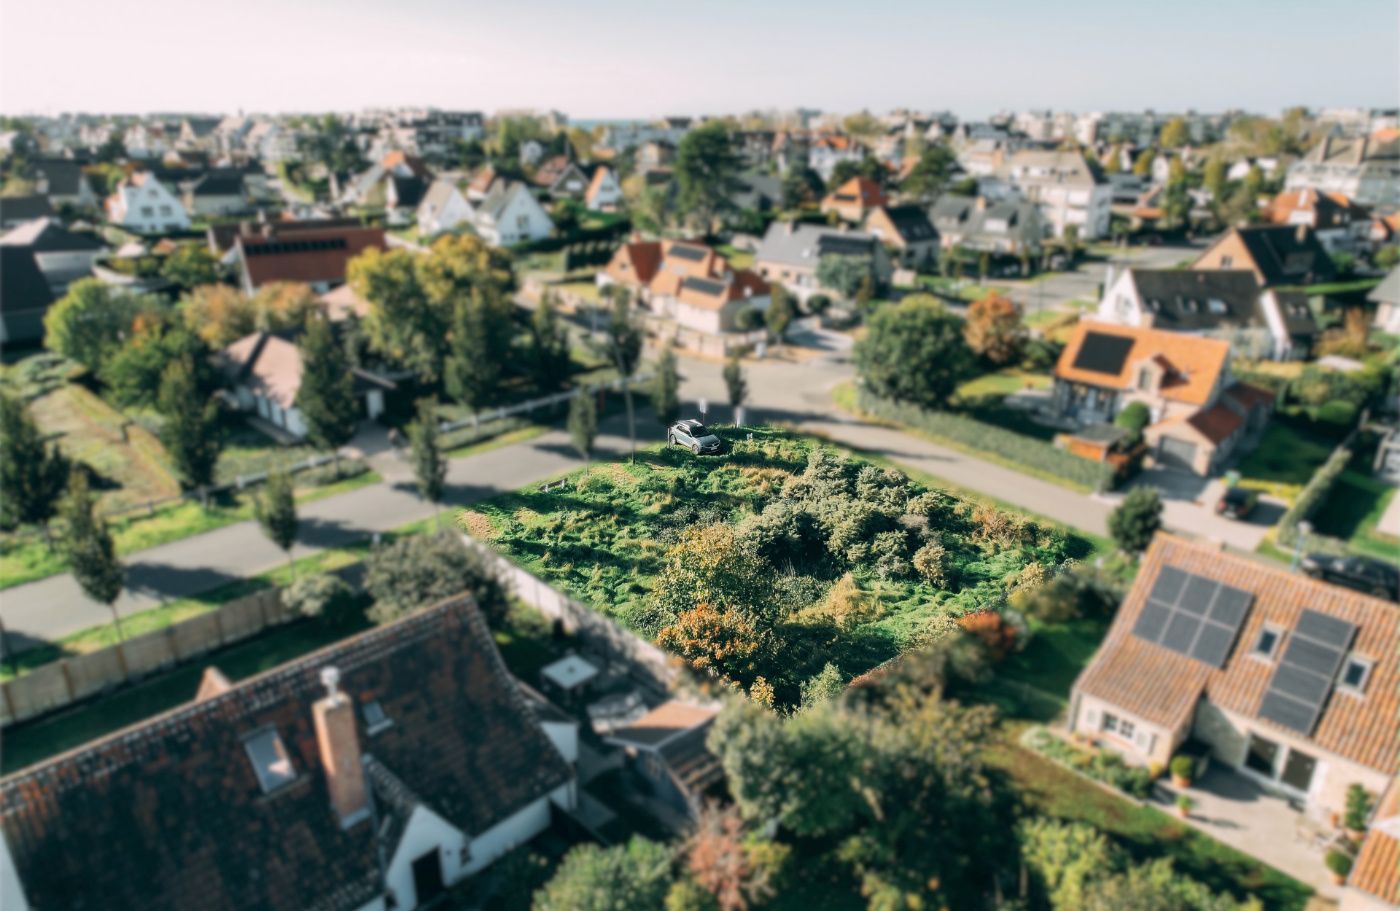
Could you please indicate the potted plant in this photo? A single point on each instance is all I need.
(1155, 770)
(1182, 769)
(1358, 811)
(1339, 864)
(1184, 805)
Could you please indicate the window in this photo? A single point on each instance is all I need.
(147, 212)
(1226, 261)
(1111, 723)
(165, 210)
(1355, 673)
(375, 719)
(1298, 771)
(271, 762)
(1261, 755)
(1267, 643)
(1144, 379)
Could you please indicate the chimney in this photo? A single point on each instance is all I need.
(1301, 233)
(339, 744)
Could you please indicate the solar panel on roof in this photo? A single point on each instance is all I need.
(705, 285)
(1192, 615)
(1302, 682)
(1323, 628)
(1102, 353)
(844, 246)
(1290, 713)
(694, 254)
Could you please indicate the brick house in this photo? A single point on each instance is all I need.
(854, 199)
(1290, 681)
(372, 774)
(687, 282)
(1276, 254)
(907, 231)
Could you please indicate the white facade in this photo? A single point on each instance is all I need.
(444, 209)
(517, 218)
(144, 205)
(605, 192)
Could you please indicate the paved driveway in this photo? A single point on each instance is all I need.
(1084, 283)
(1188, 504)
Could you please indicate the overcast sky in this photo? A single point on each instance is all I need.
(628, 58)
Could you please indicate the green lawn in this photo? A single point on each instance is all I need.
(738, 259)
(1002, 382)
(1146, 833)
(967, 289)
(1351, 512)
(1284, 460)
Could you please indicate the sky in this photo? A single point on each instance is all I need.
(629, 58)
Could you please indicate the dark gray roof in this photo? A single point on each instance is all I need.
(803, 245)
(65, 178)
(1194, 300)
(24, 295)
(686, 251)
(23, 208)
(1288, 254)
(47, 235)
(960, 216)
(1297, 313)
(218, 183)
(911, 222)
(409, 190)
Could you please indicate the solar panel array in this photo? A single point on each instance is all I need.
(1103, 353)
(1193, 616)
(1303, 680)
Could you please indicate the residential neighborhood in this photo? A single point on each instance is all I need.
(709, 460)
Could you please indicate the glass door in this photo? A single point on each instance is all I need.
(1298, 771)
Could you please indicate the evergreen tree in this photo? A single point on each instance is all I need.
(583, 424)
(479, 349)
(780, 311)
(429, 466)
(549, 346)
(665, 397)
(1136, 519)
(32, 475)
(87, 543)
(327, 395)
(625, 346)
(734, 382)
(191, 429)
(276, 509)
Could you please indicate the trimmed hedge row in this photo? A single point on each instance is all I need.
(1013, 447)
(1313, 494)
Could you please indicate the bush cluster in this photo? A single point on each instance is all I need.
(1100, 765)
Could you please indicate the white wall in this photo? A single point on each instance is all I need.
(11, 895)
(426, 831)
(564, 736)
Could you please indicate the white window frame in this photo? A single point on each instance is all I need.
(1267, 657)
(1367, 666)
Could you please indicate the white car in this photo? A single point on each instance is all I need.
(693, 435)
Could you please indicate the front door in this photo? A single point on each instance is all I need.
(427, 877)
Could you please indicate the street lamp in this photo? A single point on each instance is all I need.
(1304, 529)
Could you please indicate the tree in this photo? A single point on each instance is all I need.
(219, 314)
(190, 265)
(33, 475)
(914, 352)
(591, 878)
(707, 169)
(735, 385)
(1136, 519)
(429, 466)
(1064, 858)
(1134, 417)
(479, 348)
(420, 570)
(583, 424)
(736, 869)
(867, 166)
(625, 349)
(993, 329)
(1142, 166)
(1214, 178)
(801, 186)
(779, 315)
(326, 398)
(87, 544)
(665, 394)
(190, 432)
(276, 510)
(930, 174)
(549, 346)
(1175, 134)
(844, 273)
(89, 323)
(133, 371)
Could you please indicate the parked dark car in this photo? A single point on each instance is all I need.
(694, 436)
(1237, 502)
(1361, 573)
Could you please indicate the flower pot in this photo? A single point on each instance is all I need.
(1179, 782)
(1355, 835)
(1338, 879)
(1183, 812)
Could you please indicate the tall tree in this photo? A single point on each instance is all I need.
(1136, 519)
(993, 329)
(634, 875)
(429, 465)
(89, 323)
(707, 170)
(133, 371)
(549, 346)
(276, 509)
(735, 385)
(931, 173)
(583, 424)
(32, 474)
(625, 347)
(190, 265)
(190, 432)
(479, 348)
(326, 398)
(843, 274)
(87, 543)
(1175, 134)
(665, 393)
(778, 317)
(1214, 178)
(914, 352)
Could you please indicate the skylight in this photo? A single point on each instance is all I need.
(271, 762)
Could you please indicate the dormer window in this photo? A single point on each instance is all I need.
(1355, 673)
(375, 719)
(1144, 379)
(270, 760)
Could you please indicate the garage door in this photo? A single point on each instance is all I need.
(1177, 454)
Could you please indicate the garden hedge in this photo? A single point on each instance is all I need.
(1007, 445)
(1313, 494)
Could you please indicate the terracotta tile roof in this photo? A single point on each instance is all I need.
(714, 293)
(1163, 687)
(267, 364)
(1195, 362)
(860, 190)
(169, 814)
(596, 184)
(681, 260)
(1216, 423)
(635, 263)
(665, 722)
(1377, 868)
(304, 256)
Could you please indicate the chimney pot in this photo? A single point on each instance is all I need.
(338, 742)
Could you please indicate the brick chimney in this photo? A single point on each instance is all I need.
(339, 744)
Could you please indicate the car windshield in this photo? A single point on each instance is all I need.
(699, 430)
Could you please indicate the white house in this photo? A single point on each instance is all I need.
(509, 214)
(145, 205)
(63, 256)
(604, 193)
(444, 208)
(1365, 169)
(1065, 189)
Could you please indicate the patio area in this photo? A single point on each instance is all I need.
(1233, 809)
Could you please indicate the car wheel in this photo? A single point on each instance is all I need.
(695, 448)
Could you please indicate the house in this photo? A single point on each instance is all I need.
(1339, 224)
(63, 256)
(790, 253)
(1276, 254)
(16, 210)
(444, 208)
(1386, 297)
(143, 204)
(1365, 168)
(288, 252)
(1374, 883)
(604, 193)
(1218, 303)
(1289, 681)
(65, 184)
(509, 214)
(531, 151)
(481, 183)
(1199, 415)
(756, 193)
(656, 155)
(687, 282)
(1065, 187)
(826, 152)
(396, 184)
(560, 177)
(1008, 227)
(666, 746)
(854, 199)
(216, 193)
(372, 774)
(25, 296)
(907, 231)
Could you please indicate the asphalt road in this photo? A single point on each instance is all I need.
(1083, 284)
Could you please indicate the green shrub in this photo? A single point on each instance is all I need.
(1339, 862)
(1183, 767)
(1340, 413)
(1312, 495)
(1133, 419)
(1016, 448)
(1358, 811)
